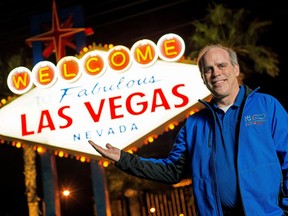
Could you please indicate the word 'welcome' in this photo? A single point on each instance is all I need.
(144, 53)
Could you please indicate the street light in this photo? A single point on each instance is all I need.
(152, 210)
(66, 192)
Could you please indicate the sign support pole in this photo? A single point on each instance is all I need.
(50, 184)
(100, 190)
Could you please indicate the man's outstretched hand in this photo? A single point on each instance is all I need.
(112, 153)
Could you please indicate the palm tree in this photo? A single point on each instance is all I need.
(8, 63)
(234, 29)
(30, 173)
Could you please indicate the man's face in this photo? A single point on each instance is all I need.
(218, 74)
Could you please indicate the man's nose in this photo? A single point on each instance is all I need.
(216, 71)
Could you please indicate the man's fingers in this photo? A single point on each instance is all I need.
(109, 152)
(91, 142)
(109, 146)
(94, 145)
(99, 148)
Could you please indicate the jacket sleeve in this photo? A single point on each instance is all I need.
(169, 170)
(280, 136)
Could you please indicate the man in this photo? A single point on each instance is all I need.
(237, 147)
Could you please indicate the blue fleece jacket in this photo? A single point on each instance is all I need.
(262, 159)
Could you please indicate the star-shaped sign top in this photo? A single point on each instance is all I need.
(58, 37)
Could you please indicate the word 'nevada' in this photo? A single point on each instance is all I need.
(44, 74)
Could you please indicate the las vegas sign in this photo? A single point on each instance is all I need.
(119, 96)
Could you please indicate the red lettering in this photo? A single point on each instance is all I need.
(113, 107)
(143, 104)
(185, 99)
(45, 115)
(67, 118)
(164, 102)
(46, 121)
(95, 116)
(134, 104)
(25, 132)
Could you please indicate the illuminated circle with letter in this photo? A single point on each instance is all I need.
(93, 64)
(19, 80)
(68, 68)
(44, 74)
(144, 53)
(119, 58)
(171, 47)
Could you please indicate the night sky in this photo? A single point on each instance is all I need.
(119, 22)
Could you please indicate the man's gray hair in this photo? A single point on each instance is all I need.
(232, 54)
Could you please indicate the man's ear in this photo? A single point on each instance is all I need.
(237, 70)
